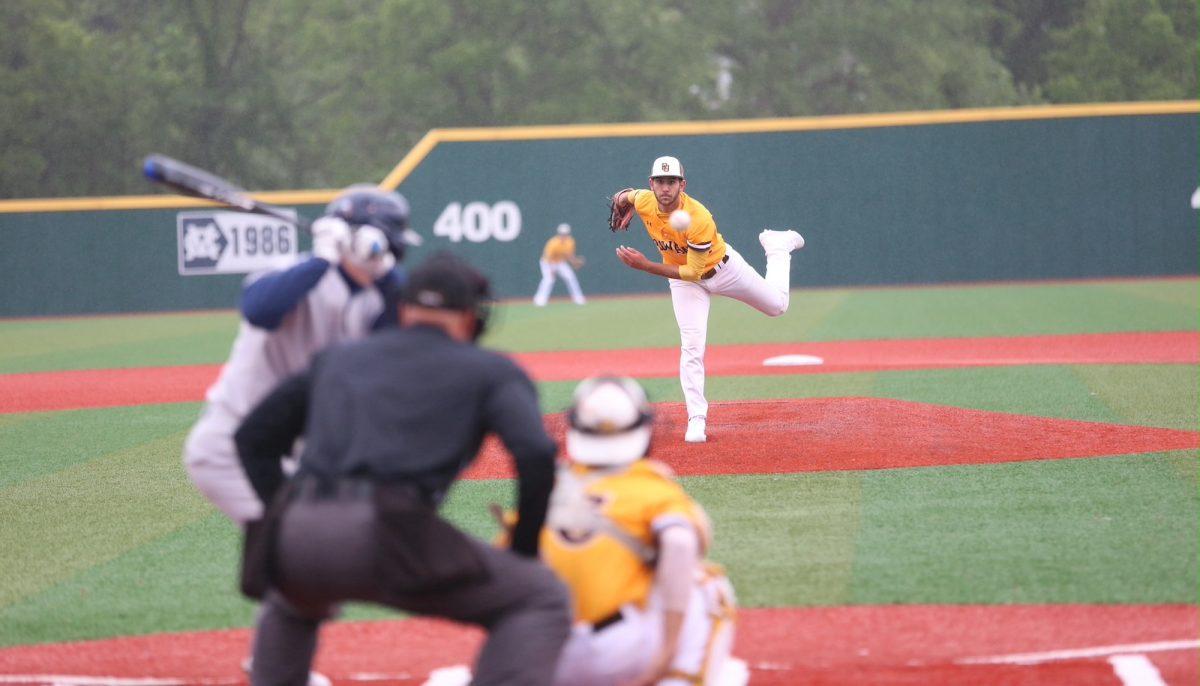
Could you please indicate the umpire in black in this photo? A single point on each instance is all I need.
(389, 423)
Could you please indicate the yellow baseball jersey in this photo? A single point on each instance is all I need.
(602, 572)
(701, 234)
(558, 249)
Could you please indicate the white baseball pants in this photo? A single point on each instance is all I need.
(564, 270)
(211, 460)
(620, 652)
(691, 299)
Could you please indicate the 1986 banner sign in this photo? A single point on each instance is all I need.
(233, 242)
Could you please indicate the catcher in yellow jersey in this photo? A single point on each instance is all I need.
(630, 544)
(558, 257)
(698, 264)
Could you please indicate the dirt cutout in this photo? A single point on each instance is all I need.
(837, 434)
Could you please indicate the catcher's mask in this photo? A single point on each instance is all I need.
(609, 423)
(366, 205)
(447, 282)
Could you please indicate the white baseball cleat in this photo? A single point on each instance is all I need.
(695, 430)
(458, 675)
(780, 241)
(734, 672)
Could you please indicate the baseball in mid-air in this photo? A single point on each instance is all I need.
(680, 220)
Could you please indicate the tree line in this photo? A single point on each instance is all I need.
(286, 94)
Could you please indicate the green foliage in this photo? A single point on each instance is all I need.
(830, 56)
(1126, 50)
(323, 93)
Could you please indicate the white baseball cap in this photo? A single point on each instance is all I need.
(609, 422)
(564, 229)
(666, 166)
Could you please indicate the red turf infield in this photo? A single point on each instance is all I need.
(863, 645)
(829, 434)
(859, 645)
(47, 391)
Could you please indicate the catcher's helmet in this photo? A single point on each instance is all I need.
(364, 204)
(609, 423)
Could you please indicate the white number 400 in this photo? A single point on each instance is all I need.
(478, 221)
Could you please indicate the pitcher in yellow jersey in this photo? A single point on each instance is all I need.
(558, 257)
(699, 264)
(630, 545)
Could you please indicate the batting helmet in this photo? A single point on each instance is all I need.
(366, 205)
(609, 423)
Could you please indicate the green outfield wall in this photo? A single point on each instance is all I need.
(971, 195)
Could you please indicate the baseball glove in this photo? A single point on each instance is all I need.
(619, 216)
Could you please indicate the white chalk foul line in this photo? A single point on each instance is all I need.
(1136, 670)
(1079, 653)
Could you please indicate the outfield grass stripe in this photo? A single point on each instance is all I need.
(36, 445)
(116, 341)
(1165, 395)
(1005, 310)
(1180, 293)
(28, 345)
(1108, 530)
(800, 551)
(66, 522)
(1101, 530)
(182, 580)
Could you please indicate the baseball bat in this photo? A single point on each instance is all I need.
(189, 180)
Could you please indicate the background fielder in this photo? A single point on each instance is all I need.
(558, 257)
(699, 264)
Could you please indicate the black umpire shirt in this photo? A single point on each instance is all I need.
(409, 404)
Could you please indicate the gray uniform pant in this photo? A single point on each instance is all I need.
(327, 553)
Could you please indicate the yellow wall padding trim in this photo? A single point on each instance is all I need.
(154, 202)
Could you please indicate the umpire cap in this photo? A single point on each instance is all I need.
(448, 282)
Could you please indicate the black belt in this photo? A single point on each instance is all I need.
(713, 272)
(608, 621)
(313, 487)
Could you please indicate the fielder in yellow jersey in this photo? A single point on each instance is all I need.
(559, 258)
(698, 263)
(630, 544)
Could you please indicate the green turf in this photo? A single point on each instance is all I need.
(1106, 530)
(63, 523)
(1069, 531)
(816, 315)
(1102, 530)
(1163, 396)
(149, 340)
(181, 579)
(41, 443)
(103, 535)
